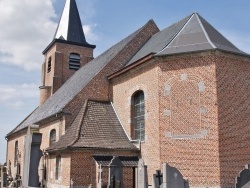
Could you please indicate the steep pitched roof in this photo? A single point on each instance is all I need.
(198, 35)
(70, 26)
(191, 34)
(159, 40)
(75, 84)
(96, 126)
(69, 29)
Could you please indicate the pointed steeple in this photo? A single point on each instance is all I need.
(69, 29)
(70, 26)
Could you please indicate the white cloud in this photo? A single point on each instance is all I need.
(26, 29)
(13, 96)
(89, 32)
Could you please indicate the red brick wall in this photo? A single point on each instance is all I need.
(45, 129)
(84, 168)
(60, 53)
(196, 158)
(64, 178)
(98, 88)
(20, 137)
(60, 72)
(199, 92)
(233, 108)
(143, 78)
(182, 143)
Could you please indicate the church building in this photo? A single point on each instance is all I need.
(178, 95)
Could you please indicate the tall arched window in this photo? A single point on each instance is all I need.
(138, 113)
(58, 167)
(16, 153)
(52, 137)
(74, 61)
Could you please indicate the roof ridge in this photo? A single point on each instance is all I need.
(120, 121)
(204, 30)
(70, 26)
(218, 39)
(178, 32)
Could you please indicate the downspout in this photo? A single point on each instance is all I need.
(109, 90)
(60, 128)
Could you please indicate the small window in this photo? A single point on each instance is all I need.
(58, 167)
(49, 65)
(52, 137)
(74, 61)
(16, 153)
(138, 113)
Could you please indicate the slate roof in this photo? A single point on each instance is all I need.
(69, 29)
(191, 34)
(70, 26)
(74, 84)
(97, 127)
(128, 161)
(159, 40)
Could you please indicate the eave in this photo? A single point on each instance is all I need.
(131, 66)
(68, 42)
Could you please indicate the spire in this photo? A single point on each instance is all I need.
(70, 26)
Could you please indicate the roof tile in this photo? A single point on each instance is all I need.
(96, 126)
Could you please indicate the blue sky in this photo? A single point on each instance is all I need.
(27, 27)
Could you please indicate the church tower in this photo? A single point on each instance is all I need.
(67, 52)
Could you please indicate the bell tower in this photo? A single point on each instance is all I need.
(67, 52)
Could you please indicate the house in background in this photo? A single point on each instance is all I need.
(179, 95)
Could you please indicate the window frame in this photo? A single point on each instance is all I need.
(49, 65)
(138, 116)
(52, 137)
(16, 153)
(58, 167)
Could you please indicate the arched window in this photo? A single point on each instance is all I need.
(58, 167)
(52, 137)
(138, 113)
(16, 153)
(74, 61)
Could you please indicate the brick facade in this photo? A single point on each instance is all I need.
(189, 102)
(59, 73)
(196, 111)
(86, 172)
(233, 80)
(64, 178)
(214, 83)
(143, 78)
(98, 88)
(193, 110)
(20, 138)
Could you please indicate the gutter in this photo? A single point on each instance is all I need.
(69, 148)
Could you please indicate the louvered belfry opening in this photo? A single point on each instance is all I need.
(74, 61)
